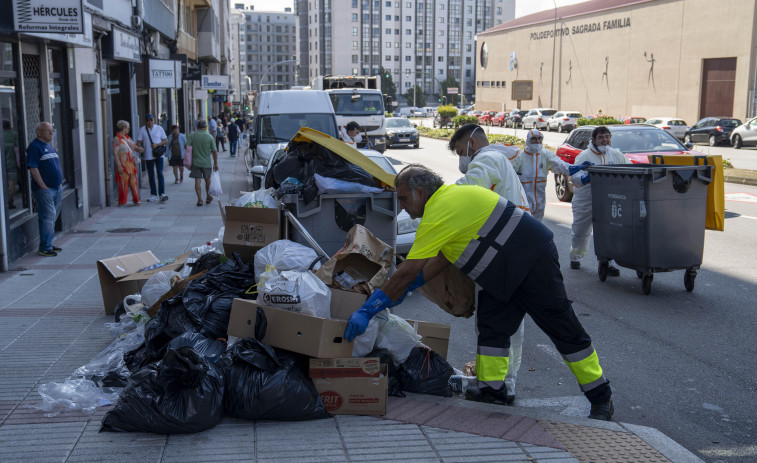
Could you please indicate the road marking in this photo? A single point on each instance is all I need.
(741, 197)
(745, 217)
(565, 225)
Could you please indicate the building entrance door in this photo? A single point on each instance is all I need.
(718, 85)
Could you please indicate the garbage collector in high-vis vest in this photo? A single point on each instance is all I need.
(512, 258)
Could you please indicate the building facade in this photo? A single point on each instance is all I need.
(268, 49)
(640, 58)
(418, 42)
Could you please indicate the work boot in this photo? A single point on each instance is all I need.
(574, 264)
(602, 411)
(510, 400)
(486, 394)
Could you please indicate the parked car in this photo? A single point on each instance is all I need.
(537, 118)
(485, 118)
(401, 132)
(636, 142)
(712, 130)
(745, 134)
(632, 120)
(499, 119)
(563, 120)
(675, 127)
(473, 113)
(515, 118)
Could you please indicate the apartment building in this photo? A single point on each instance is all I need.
(268, 49)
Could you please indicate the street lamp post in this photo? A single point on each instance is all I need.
(554, 39)
(260, 84)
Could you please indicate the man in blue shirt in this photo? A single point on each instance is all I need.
(44, 166)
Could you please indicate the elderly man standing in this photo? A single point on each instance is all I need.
(203, 146)
(153, 139)
(511, 256)
(44, 166)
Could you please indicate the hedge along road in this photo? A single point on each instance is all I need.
(744, 158)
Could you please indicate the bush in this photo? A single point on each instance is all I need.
(507, 140)
(727, 164)
(459, 121)
(447, 111)
(606, 120)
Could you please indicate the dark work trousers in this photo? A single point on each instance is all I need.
(542, 296)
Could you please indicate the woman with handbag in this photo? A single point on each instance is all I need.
(176, 143)
(125, 158)
(153, 139)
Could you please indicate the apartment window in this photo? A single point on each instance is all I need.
(354, 17)
(408, 44)
(408, 32)
(408, 5)
(408, 58)
(470, 8)
(388, 17)
(468, 35)
(468, 47)
(468, 22)
(388, 4)
(354, 3)
(441, 72)
(388, 44)
(396, 32)
(499, 10)
(440, 46)
(388, 31)
(408, 18)
(467, 60)
(396, 44)
(441, 19)
(354, 58)
(440, 59)
(396, 58)
(396, 4)
(354, 45)
(396, 18)
(388, 58)
(354, 31)
(376, 31)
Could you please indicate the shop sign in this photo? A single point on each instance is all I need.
(79, 40)
(58, 17)
(124, 46)
(213, 82)
(164, 73)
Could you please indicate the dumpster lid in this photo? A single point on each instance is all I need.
(346, 152)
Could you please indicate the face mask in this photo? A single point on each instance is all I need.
(535, 148)
(463, 161)
(602, 149)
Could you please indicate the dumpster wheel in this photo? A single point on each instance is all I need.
(646, 283)
(602, 270)
(688, 279)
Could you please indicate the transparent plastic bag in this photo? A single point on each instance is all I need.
(258, 198)
(284, 255)
(73, 394)
(109, 364)
(157, 286)
(300, 292)
(398, 337)
(215, 184)
(366, 342)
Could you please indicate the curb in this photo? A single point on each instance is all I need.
(740, 180)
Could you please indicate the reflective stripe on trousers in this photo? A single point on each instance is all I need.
(491, 366)
(585, 367)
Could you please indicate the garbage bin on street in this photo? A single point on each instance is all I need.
(650, 218)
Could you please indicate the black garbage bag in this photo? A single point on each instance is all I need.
(211, 349)
(208, 298)
(172, 320)
(393, 372)
(267, 384)
(183, 393)
(207, 261)
(426, 372)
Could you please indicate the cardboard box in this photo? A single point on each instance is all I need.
(296, 332)
(249, 229)
(354, 395)
(434, 335)
(345, 367)
(120, 276)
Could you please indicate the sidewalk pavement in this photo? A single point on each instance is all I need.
(52, 321)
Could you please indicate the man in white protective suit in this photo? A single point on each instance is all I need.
(599, 152)
(532, 164)
(489, 166)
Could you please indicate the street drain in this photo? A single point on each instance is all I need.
(126, 230)
(82, 231)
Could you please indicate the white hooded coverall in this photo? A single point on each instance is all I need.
(349, 140)
(533, 169)
(581, 229)
(491, 169)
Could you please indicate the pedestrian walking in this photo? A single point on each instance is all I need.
(126, 159)
(233, 131)
(44, 166)
(599, 152)
(512, 257)
(153, 139)
(533, 164)
(203, 147)
(176, 143)
(220, 134)
(489, 166)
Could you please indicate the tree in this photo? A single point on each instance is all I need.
(415, 97)
(388, 87)
(449, 82)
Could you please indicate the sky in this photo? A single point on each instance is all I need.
(522, 7)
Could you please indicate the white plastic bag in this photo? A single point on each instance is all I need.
(328, 185)
(258, 198)
(73, 394)
(398, 337)
(215, 184)
(366, 342)
(300, 292)
(157, 286)
(284, 255)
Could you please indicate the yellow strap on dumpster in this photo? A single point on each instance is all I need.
(715, 190)
(346, 152)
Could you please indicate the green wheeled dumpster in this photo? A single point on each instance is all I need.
(650, 218)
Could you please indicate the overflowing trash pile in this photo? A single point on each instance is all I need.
(177, 368)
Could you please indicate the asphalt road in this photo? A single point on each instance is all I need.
(681, 362)
(744, 158)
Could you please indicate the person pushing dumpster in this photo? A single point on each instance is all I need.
(512, 258)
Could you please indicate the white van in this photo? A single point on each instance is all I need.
(279, 114)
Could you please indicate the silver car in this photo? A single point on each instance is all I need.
(672, 125)
(537, 118)
(563, 121)
(745, 134)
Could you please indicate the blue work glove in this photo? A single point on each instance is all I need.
(417, 283)
(585, 179)
(572, 170)
(358, 321)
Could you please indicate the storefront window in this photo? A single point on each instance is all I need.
(61, 126)
(163, 102)
(13, 162)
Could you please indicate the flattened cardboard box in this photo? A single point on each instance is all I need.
(249, 229)
(354, 396)
(296, 332)
(345, 367)
(120, 276)
(434, 335)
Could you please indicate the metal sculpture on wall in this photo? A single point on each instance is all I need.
(541, 66)
(605, 76)
(650, 76)
(513, 61)
(570, 73)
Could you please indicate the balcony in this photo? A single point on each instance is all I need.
(208, 43)
(187, 45)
